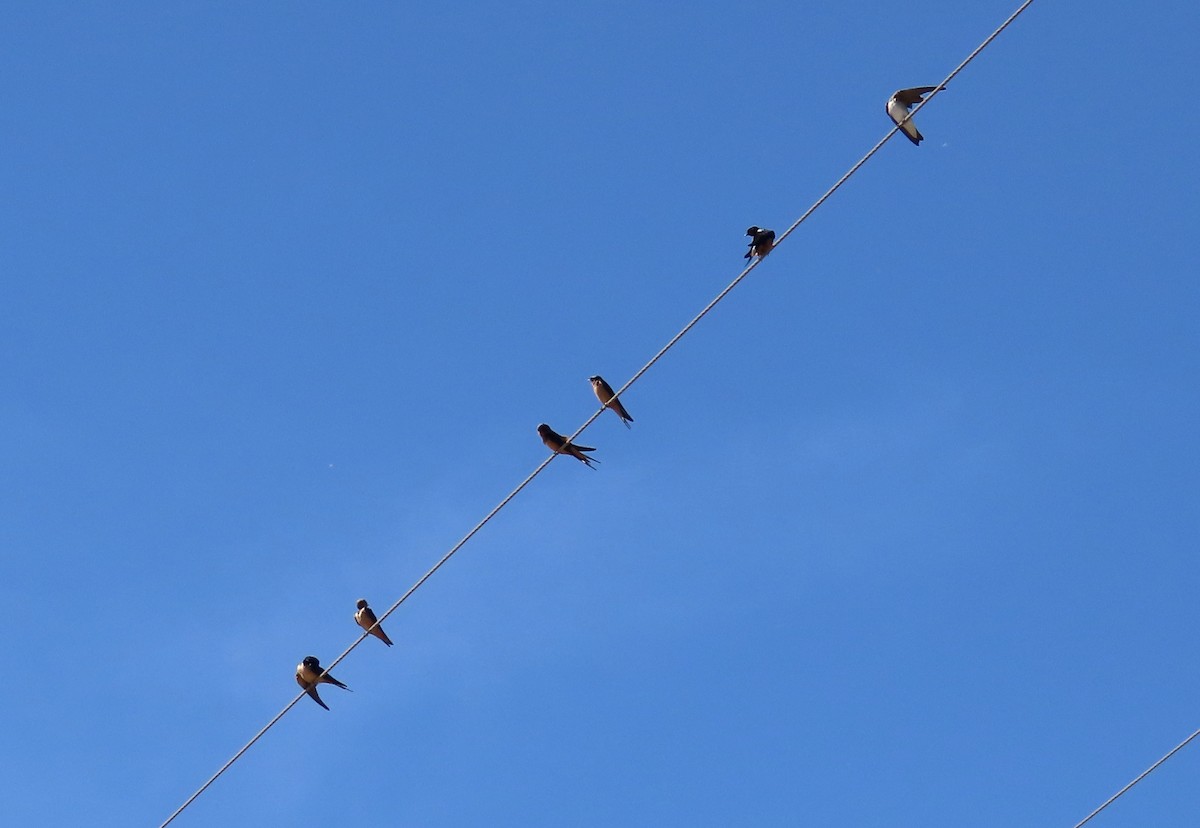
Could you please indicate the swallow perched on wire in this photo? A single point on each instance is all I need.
(367, 620)
(308, 676)
(900, 103)
(761, 242)
(559, 445)
(604, 393)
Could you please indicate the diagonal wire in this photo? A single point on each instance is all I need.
(662, 352)
(816, 204)
(1140, 777)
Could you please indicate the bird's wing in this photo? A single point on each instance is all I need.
(312, 692)
(914, 95)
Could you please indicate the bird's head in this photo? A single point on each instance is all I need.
(361, 603)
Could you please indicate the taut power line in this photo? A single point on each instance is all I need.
(661, 353)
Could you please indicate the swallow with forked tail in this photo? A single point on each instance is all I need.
(604, 393)
(367, 620)
(559, 445)
(309, 674)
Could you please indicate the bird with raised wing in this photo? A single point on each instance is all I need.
(761, 242)
(899, 105)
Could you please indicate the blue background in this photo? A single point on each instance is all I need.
(905, 533)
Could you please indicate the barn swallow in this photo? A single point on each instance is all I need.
(604, 393)
(308, 676)
(900, 103)
(367, 620)
(761, 242)
(559, 445)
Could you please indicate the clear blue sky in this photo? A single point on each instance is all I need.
(905, 534)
